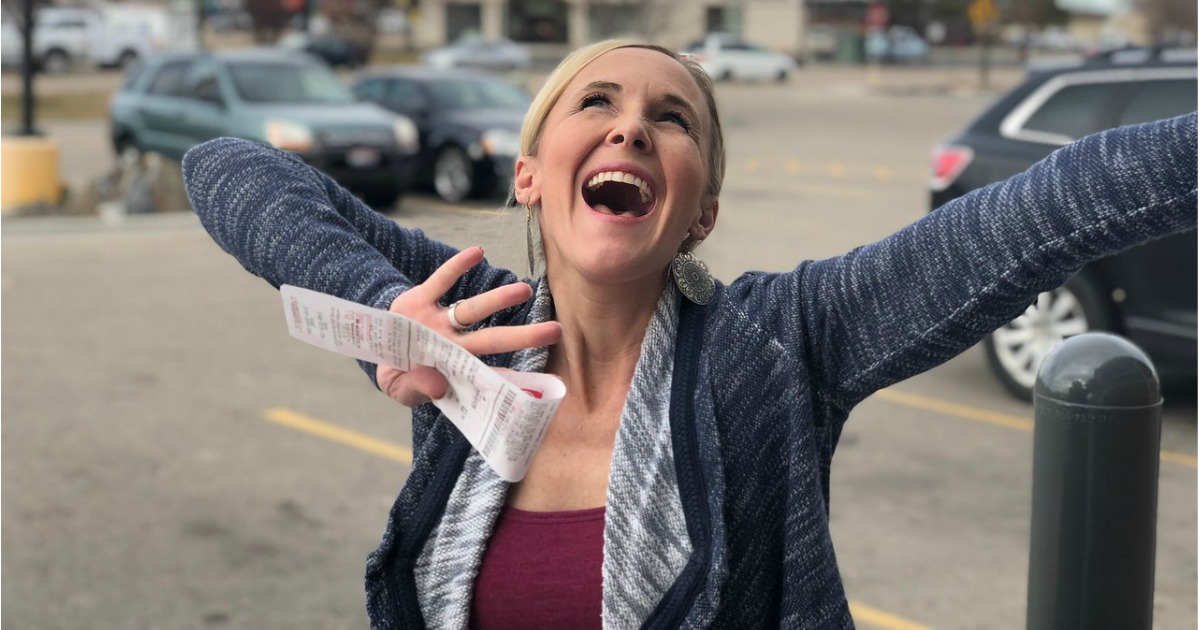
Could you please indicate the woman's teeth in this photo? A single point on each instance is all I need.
(624, 178)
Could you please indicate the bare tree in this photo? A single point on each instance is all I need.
(1170, 21)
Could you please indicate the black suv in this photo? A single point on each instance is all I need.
(1147, 294)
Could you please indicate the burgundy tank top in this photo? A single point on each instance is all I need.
(541, 570)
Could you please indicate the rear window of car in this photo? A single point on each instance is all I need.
(1155, 100)
(451, 94)
(1074, 111)
(273, 82)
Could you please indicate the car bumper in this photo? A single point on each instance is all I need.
(391, 168)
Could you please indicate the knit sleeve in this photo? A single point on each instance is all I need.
(901, 306)
(289, 224)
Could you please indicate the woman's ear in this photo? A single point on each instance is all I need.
(526, 183)
(704, 224)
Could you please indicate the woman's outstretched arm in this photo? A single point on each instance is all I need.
(898, 307)
(289, 224)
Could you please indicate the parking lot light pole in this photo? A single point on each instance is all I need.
(27, 69)
(1097, 409)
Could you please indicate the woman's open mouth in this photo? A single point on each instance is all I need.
(618, 193)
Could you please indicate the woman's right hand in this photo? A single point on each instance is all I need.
(422, 303)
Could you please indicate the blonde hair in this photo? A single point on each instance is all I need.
(570, 67)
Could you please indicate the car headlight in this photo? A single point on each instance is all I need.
(289, 136)
(500, 142)
(406, 133)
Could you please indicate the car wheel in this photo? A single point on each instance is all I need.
(128, 152)
(1016, 350)
(127, 59)
(782, 76)
(382, 197)
(56, 62)
(727, 75)
(453, 174)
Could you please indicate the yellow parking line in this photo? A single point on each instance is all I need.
(991, 417)
(360, 441)
(879, 619)
(1178, 458)
(953, 409)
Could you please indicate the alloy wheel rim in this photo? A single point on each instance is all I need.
(453, 178)
(1022, 344)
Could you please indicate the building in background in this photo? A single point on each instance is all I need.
(568, 24)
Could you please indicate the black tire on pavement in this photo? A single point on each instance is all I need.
(56, 61)
(453, 174)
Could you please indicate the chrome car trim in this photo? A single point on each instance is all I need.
(1013, 125)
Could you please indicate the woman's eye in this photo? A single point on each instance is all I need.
(593, 100)
(678, 119)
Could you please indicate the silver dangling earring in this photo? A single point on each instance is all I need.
(529, 237)
(692, 278)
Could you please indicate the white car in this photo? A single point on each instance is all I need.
(105, 35)
(473, 52)
(728, 57)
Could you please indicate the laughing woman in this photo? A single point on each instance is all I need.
(684, 480)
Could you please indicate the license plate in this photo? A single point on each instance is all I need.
(362, 157)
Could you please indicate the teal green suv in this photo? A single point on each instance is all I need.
(283, 98)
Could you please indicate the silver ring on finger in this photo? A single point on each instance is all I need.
(454, 323)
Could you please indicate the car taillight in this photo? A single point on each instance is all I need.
(949, 161)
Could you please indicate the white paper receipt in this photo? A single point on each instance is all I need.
(503, 415)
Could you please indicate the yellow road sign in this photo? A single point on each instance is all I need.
(983, 14)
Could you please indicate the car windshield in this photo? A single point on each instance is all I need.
(282, 82)
(468, 94)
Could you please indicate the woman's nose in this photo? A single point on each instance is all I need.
(630, 132)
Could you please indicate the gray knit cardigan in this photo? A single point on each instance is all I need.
(764, 376)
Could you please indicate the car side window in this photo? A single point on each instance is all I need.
(1074, 111)
(406, 96)
(1156, 100)
(170, 79)
(373, 90)
(201, 84)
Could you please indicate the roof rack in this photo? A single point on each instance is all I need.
(1132, 55)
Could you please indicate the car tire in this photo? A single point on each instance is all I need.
(127, 59)
(1015, 351)
(127, 151)
(382, 197)
(781, 77)
(56, 61)
(453, 174)
(727, 75)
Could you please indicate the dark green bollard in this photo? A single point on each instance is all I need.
(1097, 411)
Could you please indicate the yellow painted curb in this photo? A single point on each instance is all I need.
(28, 172)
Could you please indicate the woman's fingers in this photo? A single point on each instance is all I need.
(478, 308)
(412, 388)
(511, 338)
(442, 280)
